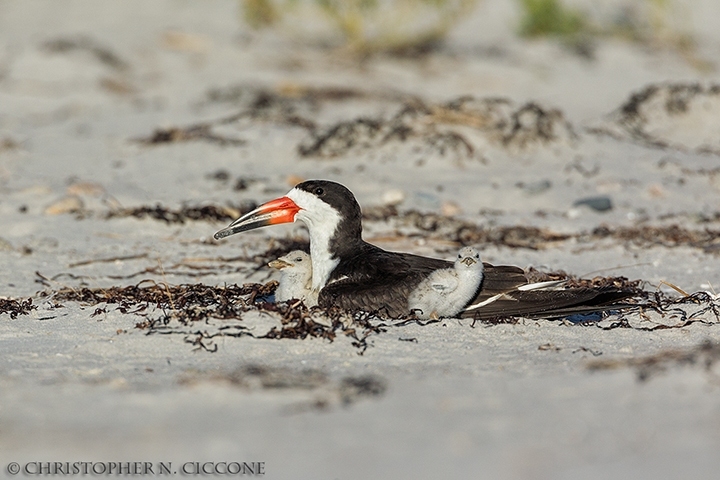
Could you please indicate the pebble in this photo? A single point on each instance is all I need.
(393, 197)
(293, 180)
(601, 203)
(535, 188)
(450, 209)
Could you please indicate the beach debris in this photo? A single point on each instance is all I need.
(393, 196)
(185, 213)
(445, 128)
(706, 355)
(200, 131)
(79, 188)
(437, 226)
(101, 53)
(450, 209)
(342, 137)
(9, 143)
(601, 203)
(325, 391)
(16, 307)
(535, 188)
(660, 312)
(69, 204)
(453, 128)
(683, 116)
(5, 245)
(186, 42)
(666, 236)
(183, 306)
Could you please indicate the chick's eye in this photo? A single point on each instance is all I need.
(319, 191)
(298, 259)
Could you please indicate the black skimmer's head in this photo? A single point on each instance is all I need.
(328, 209)
(468, 259)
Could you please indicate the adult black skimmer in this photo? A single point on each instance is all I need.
(295, 278)
(352, 274)
(445, 292)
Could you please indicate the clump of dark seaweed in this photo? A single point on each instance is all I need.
(16, 307)
(210, 213)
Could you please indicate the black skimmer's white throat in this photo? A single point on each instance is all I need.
(295, 278)
(445, 292)
(352, 274)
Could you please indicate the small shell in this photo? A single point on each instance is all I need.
(85, 188)
(65, 205)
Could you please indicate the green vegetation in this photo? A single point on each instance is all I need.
(368, 26)
(550, 17)
(259, 13)
(654, 23)
(410, 26)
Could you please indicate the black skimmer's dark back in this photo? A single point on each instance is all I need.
(352, 274)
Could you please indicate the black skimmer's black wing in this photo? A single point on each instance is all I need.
(546, 303)
(355, 275)
(376, 280)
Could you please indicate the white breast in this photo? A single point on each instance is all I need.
(322, 221)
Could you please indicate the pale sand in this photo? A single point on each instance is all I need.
(507, 401)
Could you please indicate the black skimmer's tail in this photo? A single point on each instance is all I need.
(295, 278)
(352, 274)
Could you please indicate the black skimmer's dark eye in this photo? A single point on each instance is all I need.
(319, 191)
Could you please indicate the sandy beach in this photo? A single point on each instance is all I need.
(132, 131)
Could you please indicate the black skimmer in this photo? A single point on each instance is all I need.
(295, 278)
(352, 274)
(445, 292)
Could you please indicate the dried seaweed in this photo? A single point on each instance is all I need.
(327, 391)
(210, 213)
(535, 238)
(16, 307)
(298, 323)
(686, 310)
(342, 137)
(500, 120)
(200, 131)
(188, 302)
(620, 283)
(666, 236)
(191, 304)
(101, 53)
(263, 105)
(450, 228)
(640, 115)
(108, 260)
(499, 320)
(706, 355)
